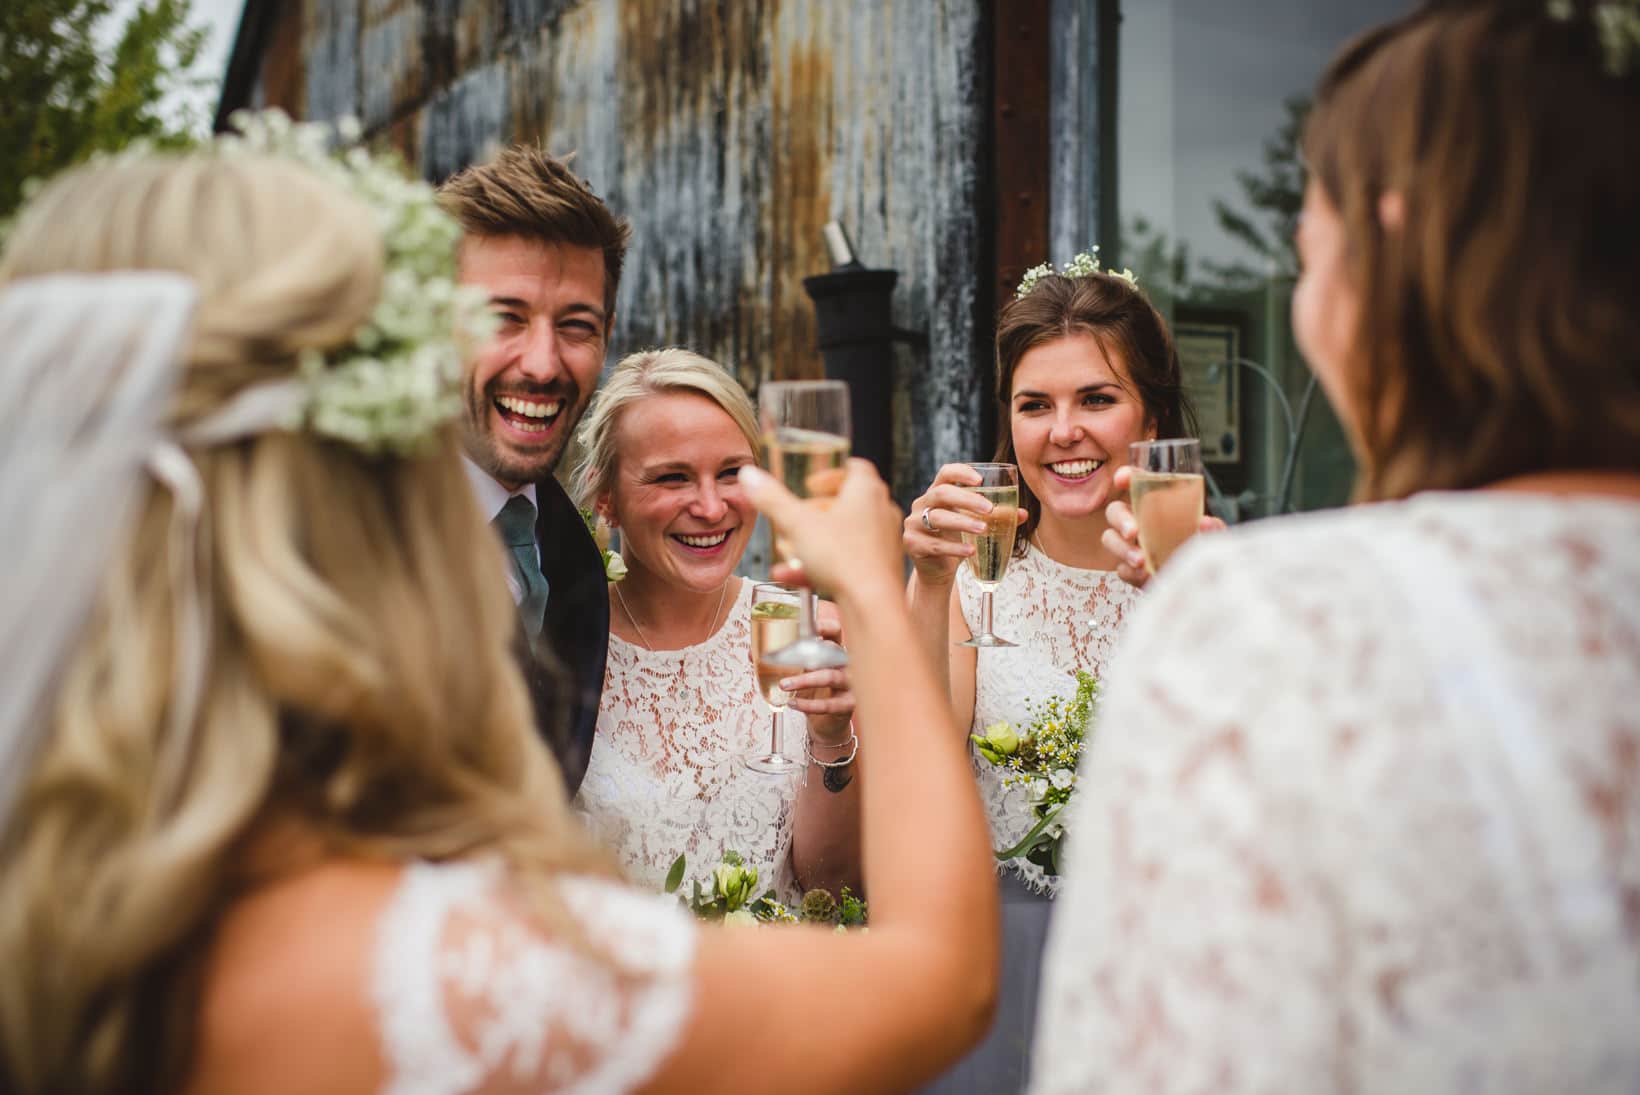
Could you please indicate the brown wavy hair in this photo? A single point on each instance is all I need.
(1124, 324)
(1500, 330)
(525, 193)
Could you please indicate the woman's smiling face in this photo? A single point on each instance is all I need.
(1073, 413)
(675, 494)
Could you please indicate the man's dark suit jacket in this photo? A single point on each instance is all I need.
(577, 627)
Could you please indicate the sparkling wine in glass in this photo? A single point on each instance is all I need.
(806, 443)
(1168, 492)
(775, 614)
(999, 485)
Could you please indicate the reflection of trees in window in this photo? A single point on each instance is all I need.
(1275, 196)
(1262, 219)
(1263, 222)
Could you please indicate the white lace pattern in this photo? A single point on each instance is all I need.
(1364, 813)
(1064, 619)
(473, 997)
(666, 775)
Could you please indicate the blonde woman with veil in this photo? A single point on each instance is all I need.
(272, 813)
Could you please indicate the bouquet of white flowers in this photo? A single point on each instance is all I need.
(726, 896)
(1043, 758)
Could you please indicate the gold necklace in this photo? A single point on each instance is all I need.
(636, 626)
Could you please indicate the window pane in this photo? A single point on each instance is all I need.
(1211, 96)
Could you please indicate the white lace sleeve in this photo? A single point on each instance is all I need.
(473, 997)
(667, 774)
(1288, 869)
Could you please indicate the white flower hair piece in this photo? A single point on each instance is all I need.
(1080, 266)
(1616, 23)
(398, 380)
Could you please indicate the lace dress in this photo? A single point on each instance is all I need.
(473, 997)
(1364, 815)
(666, 775)
(1064, 619)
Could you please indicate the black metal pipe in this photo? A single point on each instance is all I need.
(855, 331)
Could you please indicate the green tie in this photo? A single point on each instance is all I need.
(516, 526)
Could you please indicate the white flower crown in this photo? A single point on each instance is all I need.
(398, 380)
(1083, 264)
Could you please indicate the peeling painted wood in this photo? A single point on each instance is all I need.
(728, 131)
(391, 59)
(330, 58)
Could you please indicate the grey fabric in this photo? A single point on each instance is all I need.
(515, 524)
(1000, 1064)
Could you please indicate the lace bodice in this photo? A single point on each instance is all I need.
(473, 997)
(1363, 814)
(1064, 619)
(666, 775)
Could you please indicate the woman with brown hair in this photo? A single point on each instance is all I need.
(1085, 367)
(1364, 810)
(273, 816)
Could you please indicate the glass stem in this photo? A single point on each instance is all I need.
(774, 732)
(985, 610)
(805, 617)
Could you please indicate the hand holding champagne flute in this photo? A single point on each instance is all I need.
(994, 546)
(775, 610)
(806, 442)
(1167, 486)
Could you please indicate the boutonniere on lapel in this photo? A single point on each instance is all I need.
(614, 565)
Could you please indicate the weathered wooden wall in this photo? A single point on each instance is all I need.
(729, 132)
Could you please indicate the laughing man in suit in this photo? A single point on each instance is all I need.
(548, 252)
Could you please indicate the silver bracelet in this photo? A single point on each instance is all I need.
(853, 742)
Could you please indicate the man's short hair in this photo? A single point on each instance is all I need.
(525, 193)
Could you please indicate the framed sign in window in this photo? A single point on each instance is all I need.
(1209, 346)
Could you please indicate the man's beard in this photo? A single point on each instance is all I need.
(500, 461)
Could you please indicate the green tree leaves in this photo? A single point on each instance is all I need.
(63, 97)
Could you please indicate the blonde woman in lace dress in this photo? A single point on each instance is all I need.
(1086, 367)
(273, 813)
(1363, 814)
(664, 440)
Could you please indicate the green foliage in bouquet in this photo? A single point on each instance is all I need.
(727, 896)
(1043, 758)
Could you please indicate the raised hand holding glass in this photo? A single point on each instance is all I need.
(1168, 492)
(998, 485)
(775, 611)
(806, 443)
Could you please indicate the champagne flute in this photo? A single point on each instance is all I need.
(999, 485)
(806, 443)
(1168, 492)
(775, 611)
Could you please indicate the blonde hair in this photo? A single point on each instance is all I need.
(645, 373)
(1498, 332)
(525, 193)
(361, 681)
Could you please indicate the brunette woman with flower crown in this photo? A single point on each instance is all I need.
(1363, 814)
(1085, 368)
(273, 815)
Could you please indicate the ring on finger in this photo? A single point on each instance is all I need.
(927, 524)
